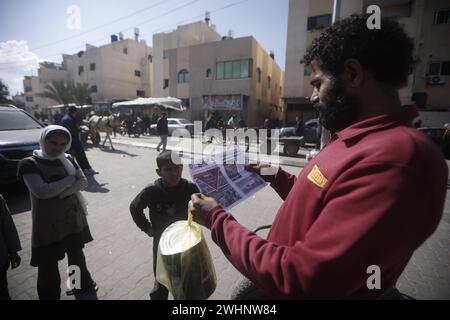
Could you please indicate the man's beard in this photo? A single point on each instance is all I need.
(338, 110)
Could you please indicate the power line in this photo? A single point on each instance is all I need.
(98, 27)
(101, 26)
(201, 15)
(130, 28)
(149, 20)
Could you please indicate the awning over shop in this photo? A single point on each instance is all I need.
(166, 103)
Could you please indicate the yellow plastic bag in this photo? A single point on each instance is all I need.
(184, 264)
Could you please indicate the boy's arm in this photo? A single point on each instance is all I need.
(137, 207)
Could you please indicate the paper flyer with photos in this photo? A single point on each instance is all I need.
(224, 178)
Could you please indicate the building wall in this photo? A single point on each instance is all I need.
(431, 41)
(260, 101)
(114, 73)
(296, 45)
(433, 46)
(184, 36)
(38, 83)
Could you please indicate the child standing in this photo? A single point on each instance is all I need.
(58, 213)
(167, 200)
(9, 246)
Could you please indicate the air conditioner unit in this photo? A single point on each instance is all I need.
(437, 80)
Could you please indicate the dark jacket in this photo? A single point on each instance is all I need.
(162, 127)
(71, 124)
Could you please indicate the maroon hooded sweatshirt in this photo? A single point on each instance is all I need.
(371, 197)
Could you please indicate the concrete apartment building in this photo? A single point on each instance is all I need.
(184, 36)
(427, 22)
(226, 76)
(119, 70)
(34, 85)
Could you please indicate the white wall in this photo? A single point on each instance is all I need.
(296, 47)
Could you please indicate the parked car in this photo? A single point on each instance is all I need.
(311, 132)
(176, 123)
(19, 136)
(435, 133)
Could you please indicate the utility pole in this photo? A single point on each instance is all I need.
(325, 136)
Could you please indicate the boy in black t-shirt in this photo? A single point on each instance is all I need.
(167, 200)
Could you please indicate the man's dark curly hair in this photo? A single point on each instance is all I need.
(386, 52)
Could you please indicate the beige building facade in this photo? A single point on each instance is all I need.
(116, 71)
(35, 85)
(427, 22)
(184, 36)
(225, 77)
(432, 74)
(120, 70)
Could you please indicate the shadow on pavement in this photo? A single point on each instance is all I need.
(17, 198)
(95, 187)
(109, 150)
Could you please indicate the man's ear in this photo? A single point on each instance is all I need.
(353, 74)
(158, 172)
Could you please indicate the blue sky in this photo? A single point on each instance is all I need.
(31, 31)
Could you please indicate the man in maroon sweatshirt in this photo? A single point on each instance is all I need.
(367, 201)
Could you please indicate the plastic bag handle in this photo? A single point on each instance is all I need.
(189, 217)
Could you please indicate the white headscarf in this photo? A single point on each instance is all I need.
(68, 166)
(70, 169)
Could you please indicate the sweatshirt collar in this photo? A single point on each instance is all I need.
(405, 115)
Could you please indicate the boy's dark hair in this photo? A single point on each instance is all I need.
(164, 158)
(386, 52)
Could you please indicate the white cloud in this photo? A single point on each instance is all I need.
(16, 61)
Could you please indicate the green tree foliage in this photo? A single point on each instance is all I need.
(67, 92)
(4, 92)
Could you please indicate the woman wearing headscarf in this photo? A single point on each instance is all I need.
(59, 214)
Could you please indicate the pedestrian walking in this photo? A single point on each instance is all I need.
(70, 122)
(162, 128)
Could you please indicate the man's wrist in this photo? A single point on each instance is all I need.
(211, 214)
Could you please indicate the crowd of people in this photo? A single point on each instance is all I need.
(371, 197)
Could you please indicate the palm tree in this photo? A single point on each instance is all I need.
(81, 94)
(67, 92)
(57, 91)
